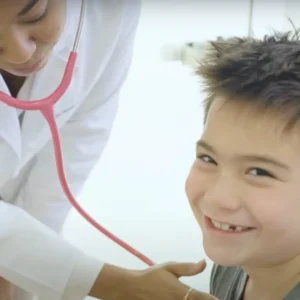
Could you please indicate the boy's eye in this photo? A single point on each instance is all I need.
(207, 159)
(260, 172)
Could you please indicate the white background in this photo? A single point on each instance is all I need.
(137, 189)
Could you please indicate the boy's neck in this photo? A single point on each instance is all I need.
(272, 283)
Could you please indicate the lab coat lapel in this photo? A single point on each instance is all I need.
(35, 129)
(9, 123)
(10, 138)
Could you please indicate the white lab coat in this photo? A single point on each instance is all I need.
(32, 254)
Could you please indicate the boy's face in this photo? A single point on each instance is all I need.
(247, 174)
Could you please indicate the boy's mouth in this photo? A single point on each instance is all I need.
(226, 227)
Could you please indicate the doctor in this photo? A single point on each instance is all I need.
(36, 37)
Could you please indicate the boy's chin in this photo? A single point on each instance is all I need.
(224, 262)
(223, 258)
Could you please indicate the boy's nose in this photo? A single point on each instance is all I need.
(223, 193)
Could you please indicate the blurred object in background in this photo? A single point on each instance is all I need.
(188, 54)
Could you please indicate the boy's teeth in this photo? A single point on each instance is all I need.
(240, 228)
(227, 227)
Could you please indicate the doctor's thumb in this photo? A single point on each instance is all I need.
(186, 269)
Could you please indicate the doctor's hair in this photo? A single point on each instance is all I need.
(263, 73)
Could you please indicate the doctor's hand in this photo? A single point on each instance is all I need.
(160, 282)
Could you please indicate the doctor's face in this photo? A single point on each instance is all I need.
(29, 29)
(244, 187)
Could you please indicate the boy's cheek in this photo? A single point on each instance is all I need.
(194, 185)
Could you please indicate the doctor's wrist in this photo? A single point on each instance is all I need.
(110, 282)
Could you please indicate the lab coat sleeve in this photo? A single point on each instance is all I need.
(83, 137)
(36, 259)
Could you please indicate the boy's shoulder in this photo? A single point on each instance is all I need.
(227, 283)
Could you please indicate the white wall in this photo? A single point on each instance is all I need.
(137, 189)
(268, 15)
(292, 11)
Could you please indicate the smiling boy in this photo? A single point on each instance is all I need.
(244, 186)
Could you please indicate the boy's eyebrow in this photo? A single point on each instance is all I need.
(249, 157)
(28, 7)
(265, 159)
(205, 145)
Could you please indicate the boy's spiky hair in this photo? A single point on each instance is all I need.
(263, 72)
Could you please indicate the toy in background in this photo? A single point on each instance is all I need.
(189, 54)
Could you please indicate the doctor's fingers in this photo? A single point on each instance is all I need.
(196, 295)
(184, 269)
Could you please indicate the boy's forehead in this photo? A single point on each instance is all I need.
(245, 127)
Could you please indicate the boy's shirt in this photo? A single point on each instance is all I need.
(228, 283)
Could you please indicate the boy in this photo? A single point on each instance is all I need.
(244, 186)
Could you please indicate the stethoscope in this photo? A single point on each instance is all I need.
(46, 107)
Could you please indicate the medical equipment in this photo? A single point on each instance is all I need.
(46, 107)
